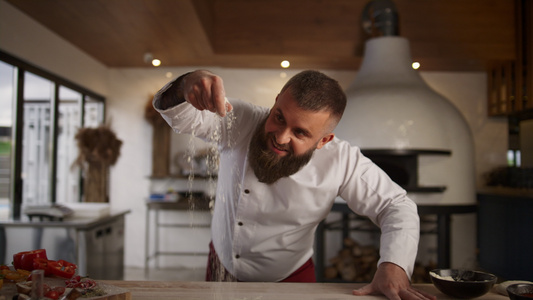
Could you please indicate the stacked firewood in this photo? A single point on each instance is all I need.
(358, 263)
(354, 262)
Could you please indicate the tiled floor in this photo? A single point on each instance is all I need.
(165, 274)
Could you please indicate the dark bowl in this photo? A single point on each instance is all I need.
(520, 291)
(463, 284)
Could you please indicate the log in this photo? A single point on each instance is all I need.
(358, 263)
(349, 242)
(348, 272)
(353, 262)
(331, 272)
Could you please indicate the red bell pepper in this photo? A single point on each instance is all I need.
(62, 268)
(17, 260)
(41, 264)
(24, 260)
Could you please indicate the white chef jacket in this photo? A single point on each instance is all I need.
(265, 232)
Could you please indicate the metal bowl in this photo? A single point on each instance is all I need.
(463, 284)
(520, 291)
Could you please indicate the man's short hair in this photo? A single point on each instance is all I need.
(316, 91)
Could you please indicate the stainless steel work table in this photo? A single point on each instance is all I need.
(196, 203)
(85, 237)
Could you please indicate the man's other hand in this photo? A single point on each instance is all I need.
(390, 280)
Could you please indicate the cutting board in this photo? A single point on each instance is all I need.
(112, 292)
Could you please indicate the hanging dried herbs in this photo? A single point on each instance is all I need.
(99, 148)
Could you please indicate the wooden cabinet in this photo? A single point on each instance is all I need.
(505, 232)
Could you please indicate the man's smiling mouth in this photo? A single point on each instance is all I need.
(277, 147)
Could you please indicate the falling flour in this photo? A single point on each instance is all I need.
(214, 141)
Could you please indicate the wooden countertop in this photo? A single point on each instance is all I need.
(506, 192)
(256, 291)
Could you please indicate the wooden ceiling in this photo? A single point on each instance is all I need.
(445, 35)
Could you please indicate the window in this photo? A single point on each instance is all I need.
(7, 73)
(68, 123)
(40, 115)
(36, 140)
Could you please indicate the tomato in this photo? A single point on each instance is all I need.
(4, 267)
(46, 288)
(59, 289)
(52, 294)
(62, 268)
(24, 260)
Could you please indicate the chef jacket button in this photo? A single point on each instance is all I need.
(247, 191)
(240, 223)
(237, 256)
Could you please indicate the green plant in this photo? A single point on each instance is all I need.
(5, 148)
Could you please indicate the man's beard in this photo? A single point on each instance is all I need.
(269, 166)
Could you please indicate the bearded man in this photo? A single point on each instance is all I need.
(280, 172)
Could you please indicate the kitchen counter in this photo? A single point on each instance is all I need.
(256, 291)
(80, 223)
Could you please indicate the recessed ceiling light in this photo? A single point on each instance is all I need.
(416, 65)
(149, 59)
(285, 64)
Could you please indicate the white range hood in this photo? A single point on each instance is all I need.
(390, 107)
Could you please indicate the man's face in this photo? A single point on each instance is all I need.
(286, 140)
(290, 128)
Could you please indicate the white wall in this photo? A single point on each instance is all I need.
(128, 90)
(468, 92)
(28, 40)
